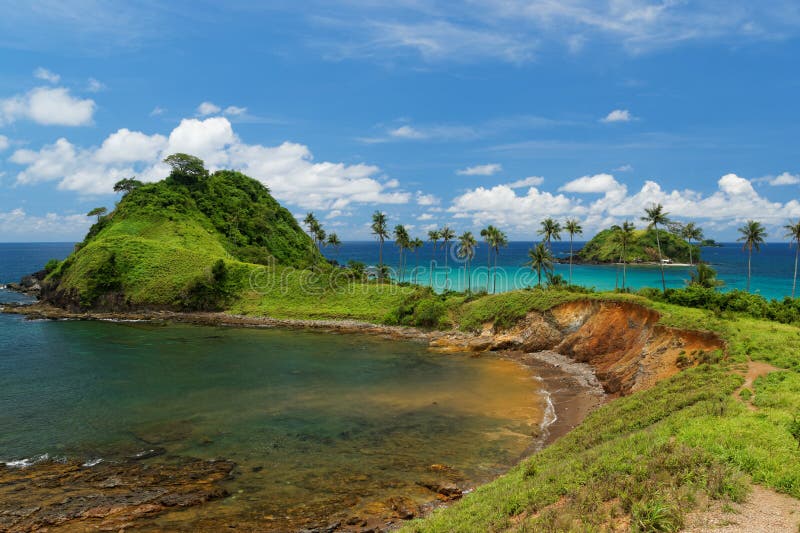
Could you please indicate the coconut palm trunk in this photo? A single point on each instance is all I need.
(794, 280)
(570, 258)
(691, 261)
(749, 258)
(660, 261)
(494, 273)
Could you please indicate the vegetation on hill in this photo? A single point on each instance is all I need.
(604, 248)
(159, 245)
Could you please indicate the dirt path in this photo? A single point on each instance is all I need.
(755, 369)
(764, 511)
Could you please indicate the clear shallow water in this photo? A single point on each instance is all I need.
(315, 422)
(772, 267)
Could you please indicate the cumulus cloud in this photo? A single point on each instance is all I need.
(426, 199)
(618, 115)
(235, 111)
(407, 132)
(17, 224)
(599, 183)
(95, 86)
(530, 181)
(46, 75)
(781, 179)
(481, 170)
(208, 108)
(289, 169)
(47, 106)
(734, 200)
(425, 217)
(4, 142)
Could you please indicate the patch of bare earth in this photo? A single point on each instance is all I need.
(755, 369)
(764, 511)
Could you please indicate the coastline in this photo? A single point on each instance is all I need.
(572, 387)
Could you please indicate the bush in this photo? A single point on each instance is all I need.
(51, 265)
(210, 292)
(103, 280)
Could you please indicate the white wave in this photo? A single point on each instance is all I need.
(92, 462)
(26, 462)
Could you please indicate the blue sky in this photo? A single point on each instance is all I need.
(470, 113)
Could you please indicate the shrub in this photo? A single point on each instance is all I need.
(210, 292)
(103, 280)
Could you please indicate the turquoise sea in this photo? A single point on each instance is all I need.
(772, 267)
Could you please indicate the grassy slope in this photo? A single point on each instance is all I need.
(646, 456)
(602, 247)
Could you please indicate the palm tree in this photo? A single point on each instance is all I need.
(379, 230)
(623, 237)
(655, 215)
(573, 227)
(447, 236)
(311, 222)
(433, 236)
(333, 240)
(487, 234)
(753, 235)
(705, 276)
(793, 232)
(319, 235)
(499, 240)
(540, 258)
(401, 239)
(466, 250)
(551, 230)
(691, 232)
(415, 245)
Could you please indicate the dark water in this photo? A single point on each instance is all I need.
(772, 267)
(315, 422)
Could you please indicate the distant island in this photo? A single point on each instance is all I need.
(642, 248)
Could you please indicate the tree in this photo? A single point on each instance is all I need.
(447, 236)
(623, 237)
(655, 215)
(381, 233)
(573, 227)
(499, 240)
(433, 236)
(753, 235)
(402, 240)
(466, 251)
(705, 276)
(126, 185)
(97, 212)
(311, 224)
(691, 232)
(487, 233)
(540, 259)
(186, 169)
(551, 230)
(333, 240)
(319, 235)
(416, 244)
(793, 233)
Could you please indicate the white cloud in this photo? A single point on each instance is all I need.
(599, 183)
(19, 225)
(4, 143)
(425, 217)
(624, 168)
(95, 86)
(407, 132)
(481, 170)
(530, 181)
(208, 108)
(618, 115)
(733, 201)
(126, 146)
(235, 111)
(157, 111)
(48, 106)
(426, 199)
(287, 169)
(785, 179)
(44, 74)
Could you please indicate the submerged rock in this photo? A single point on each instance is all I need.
(105, 496)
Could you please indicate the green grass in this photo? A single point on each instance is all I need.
(648, 457)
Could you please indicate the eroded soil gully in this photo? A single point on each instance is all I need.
(620, 342)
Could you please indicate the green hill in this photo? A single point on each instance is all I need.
(603, 248)
(160, 245)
